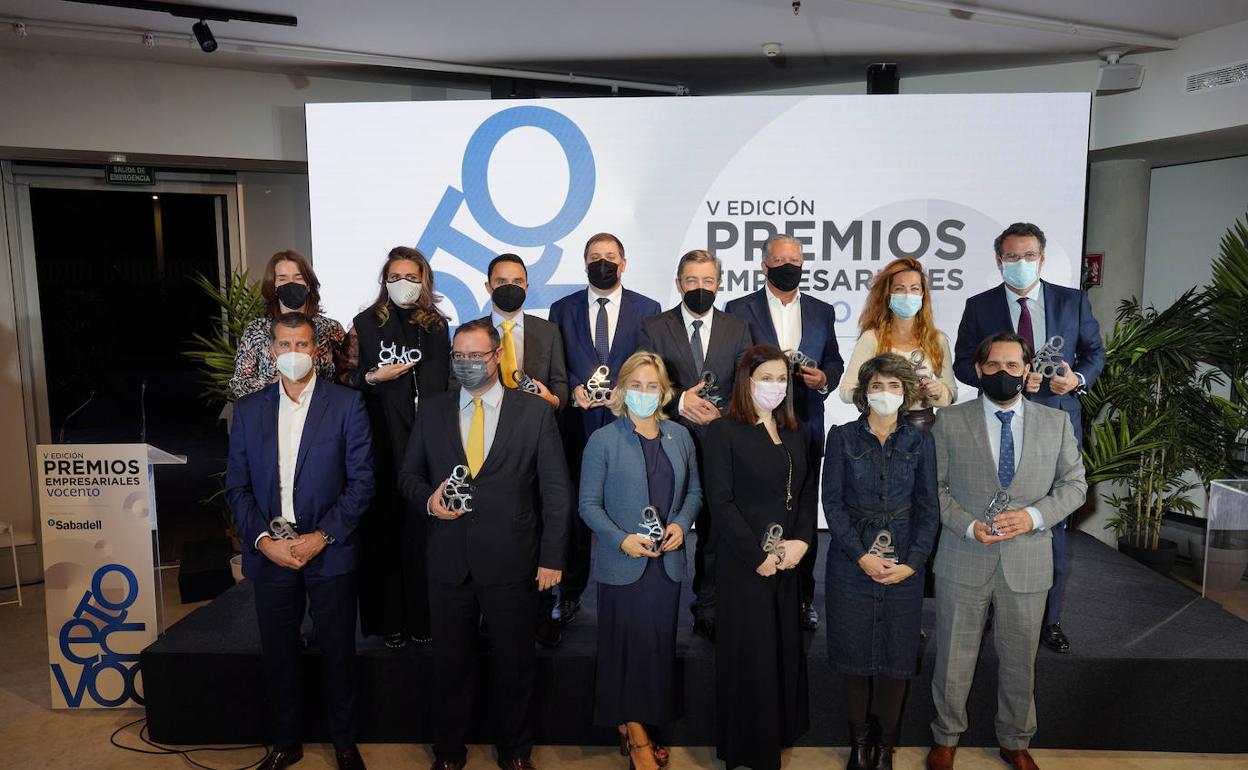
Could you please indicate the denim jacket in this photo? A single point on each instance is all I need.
(869, 487)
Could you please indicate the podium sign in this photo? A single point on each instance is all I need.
(98, 515)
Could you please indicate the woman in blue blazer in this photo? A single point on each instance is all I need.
(639, 494)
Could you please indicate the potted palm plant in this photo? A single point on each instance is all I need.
(240, 303)
(1152, 422)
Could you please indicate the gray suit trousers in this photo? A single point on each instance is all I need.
(961, 612)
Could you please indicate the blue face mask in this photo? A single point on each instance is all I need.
(905, 305)
(1020, 274)
(641, 404)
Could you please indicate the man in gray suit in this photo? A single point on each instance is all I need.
(998, 442)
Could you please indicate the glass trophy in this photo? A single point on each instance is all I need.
(710, 390)
(1000, 502)
(772, 540)
(280, 529)
(389, 353)
(799, 359)
(456, 493)
(651, 526)
(598, 387)
(525, 382)
(882, 546)
(1048, 362)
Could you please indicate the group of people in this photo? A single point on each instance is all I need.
(435, 478)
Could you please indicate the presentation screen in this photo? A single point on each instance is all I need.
(858, 180)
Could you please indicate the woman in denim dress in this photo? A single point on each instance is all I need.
(879, 497)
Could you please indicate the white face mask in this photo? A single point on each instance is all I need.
(294, 365)
(404, 293)
(884, 404)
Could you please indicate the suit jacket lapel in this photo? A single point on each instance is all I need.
(678, 469)
(1031, 442)
(507, 418)
(762, 317)
(716, 344)
(812, 333)
(1002, 320)
(625, 336)
(978, 431)
(453, 436)
(316, 410)
(268, 445)
(676, 328)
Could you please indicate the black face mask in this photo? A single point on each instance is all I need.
(699, 300)
(292, 295)
(785, 277)
(1001, 386)
(508, 298)
(603, 275)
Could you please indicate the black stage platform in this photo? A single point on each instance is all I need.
(1154, 667)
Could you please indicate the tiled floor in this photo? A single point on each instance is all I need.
(34, 737)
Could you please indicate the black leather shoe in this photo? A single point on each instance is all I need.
(706, 627)
(350, 759)
(567, 611)
(1053, 638)
(422, 639)
(278, 759)
(810, 618)
(396, 641)
(859, 748)
(548, 633)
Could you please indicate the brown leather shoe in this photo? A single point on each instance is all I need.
(516, 763)
(941, 757)
(1019, 760)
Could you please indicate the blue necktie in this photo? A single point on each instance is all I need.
(601, 345)
(1005, 458)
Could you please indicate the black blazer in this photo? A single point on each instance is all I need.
(543, 355)
(664, 335)
(521, 499)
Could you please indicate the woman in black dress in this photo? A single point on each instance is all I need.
(403, 350)
(879, 497)
(761, 486)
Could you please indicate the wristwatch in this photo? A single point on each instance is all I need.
(329, 539)
(368, 376)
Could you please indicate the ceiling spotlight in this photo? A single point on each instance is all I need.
(203, 36)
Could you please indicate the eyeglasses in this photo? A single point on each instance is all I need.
(1030, 256)
(472, 355)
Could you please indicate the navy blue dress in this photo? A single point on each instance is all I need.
(637, 625)
(867, 488)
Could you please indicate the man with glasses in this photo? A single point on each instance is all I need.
(491, 558)
(694, 339)
(1037, 311)
(781, 315)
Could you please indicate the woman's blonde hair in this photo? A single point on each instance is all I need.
(636, 361)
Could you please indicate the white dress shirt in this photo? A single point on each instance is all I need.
(491, 400)
(1035, 303)
(613, 312)
(517, 333)
(993, 424)
(291, 415)
(705, 336)
(787, 319)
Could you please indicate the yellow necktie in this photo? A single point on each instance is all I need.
(509, 354)
(476, 438)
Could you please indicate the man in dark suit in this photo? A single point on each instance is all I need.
(600, 326)
(492, 560)
(779, 314)
(300, 451)
(530, 344)
(1037, 311)
(694, 338)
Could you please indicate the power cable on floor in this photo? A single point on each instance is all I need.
(185, 754)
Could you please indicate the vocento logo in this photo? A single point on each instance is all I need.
(475, 193)
(84, 642)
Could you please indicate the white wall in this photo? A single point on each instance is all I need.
(275, 216)
(55, 101)
(1190, 208)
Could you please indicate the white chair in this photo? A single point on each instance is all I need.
(17, 580)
